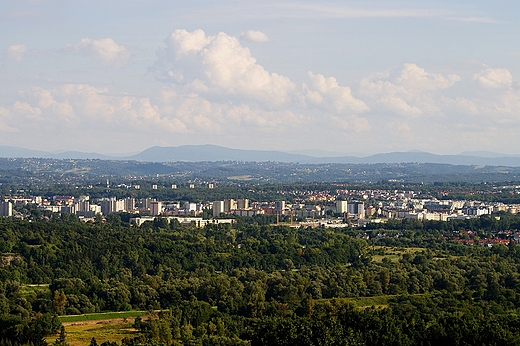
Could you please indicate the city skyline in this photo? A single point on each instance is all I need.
(341, 76)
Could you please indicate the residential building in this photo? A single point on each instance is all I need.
(6, 208)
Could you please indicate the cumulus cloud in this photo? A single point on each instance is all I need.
(480, 101)
(16, 52)
(412, 91)
(493, 78)
(416, 78)
(243, 93)
(254, 36)
(326, 91)
(224, 87)
(221, 65)
(106, 51)
(182, 42)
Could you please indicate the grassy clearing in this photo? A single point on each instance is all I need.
(101, 316)
(365, 302)
(241, 177)
(104, 326)
(34, 289)
(392, 258)
(80, 333)
(394, 254)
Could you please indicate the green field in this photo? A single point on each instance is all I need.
(394, 254)
(34, 289)
(241, 177)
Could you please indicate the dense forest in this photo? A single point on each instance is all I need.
(259, 284)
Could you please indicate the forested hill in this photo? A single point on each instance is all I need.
(45, 171)
(257, 284)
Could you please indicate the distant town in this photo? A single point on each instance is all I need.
(344, 208)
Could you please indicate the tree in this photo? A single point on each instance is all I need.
(59, 301)
(61, 341)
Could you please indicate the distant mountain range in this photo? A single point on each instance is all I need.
(196, 153)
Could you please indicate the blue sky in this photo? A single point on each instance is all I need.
(344, 76)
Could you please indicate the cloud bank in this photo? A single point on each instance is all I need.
(211, 89)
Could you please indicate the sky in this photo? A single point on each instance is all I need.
(350, 77)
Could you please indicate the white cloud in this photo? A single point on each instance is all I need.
(412, 92)
(254, 36)
(24, 110)
(220, 64)
(106, 51)
(16, 52)
(182, 42)
(328, 93)
(416, 78)
(493, 78)
(399, 106)
(221, 86)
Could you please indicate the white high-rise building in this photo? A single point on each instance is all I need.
(341, 207)
(6, 208)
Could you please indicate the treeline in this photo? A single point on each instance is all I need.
(484, 223)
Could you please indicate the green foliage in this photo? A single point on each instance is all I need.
(260, 284)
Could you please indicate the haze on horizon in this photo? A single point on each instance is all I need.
(338, 76)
